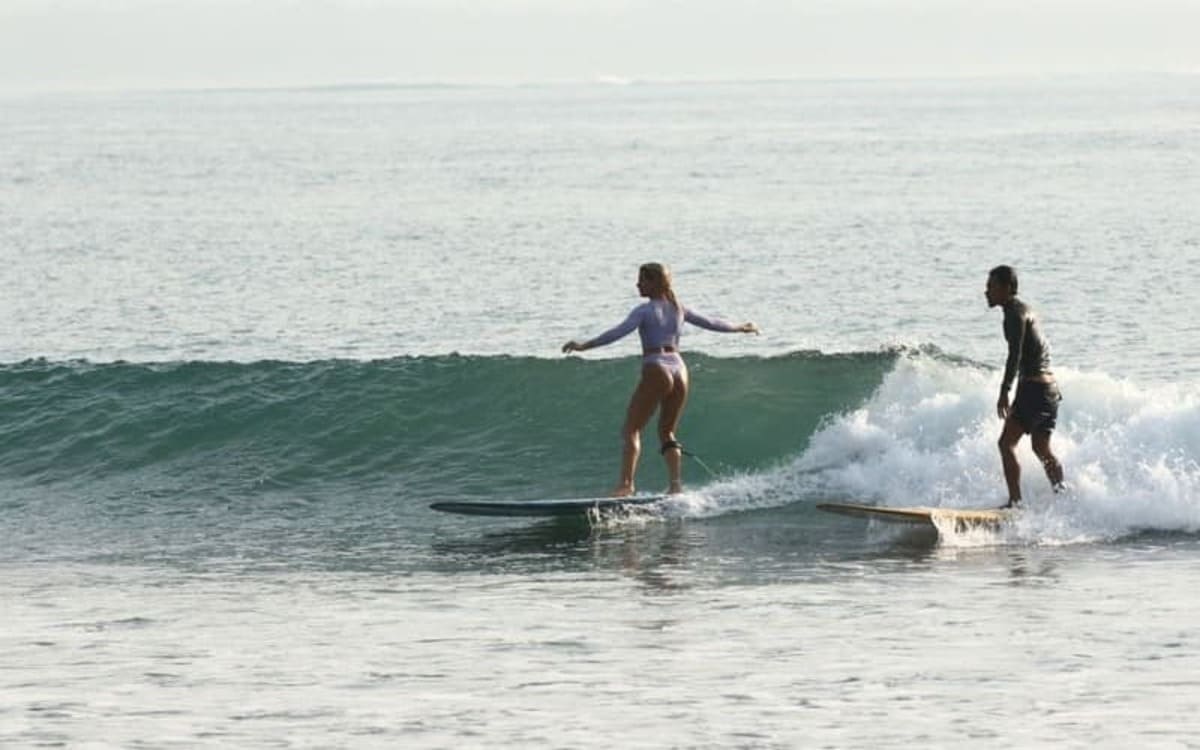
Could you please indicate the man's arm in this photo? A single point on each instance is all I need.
(1014, 334)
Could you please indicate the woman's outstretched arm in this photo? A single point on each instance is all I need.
(718, 325)
(624, 328)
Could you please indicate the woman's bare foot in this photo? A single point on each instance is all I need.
(622, 490)
(675, 488)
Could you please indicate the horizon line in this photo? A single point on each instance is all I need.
(598, 81)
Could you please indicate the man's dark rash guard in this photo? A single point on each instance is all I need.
(1028, 351)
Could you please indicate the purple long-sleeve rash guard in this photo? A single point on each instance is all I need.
(658, 322)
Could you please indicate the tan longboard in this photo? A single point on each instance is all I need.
(961, 518)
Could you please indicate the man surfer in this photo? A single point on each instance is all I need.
(1035, 408)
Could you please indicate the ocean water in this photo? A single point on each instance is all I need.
(251, 335)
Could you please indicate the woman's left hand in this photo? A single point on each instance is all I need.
(749, 328)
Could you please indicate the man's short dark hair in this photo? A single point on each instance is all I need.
(1004, 275)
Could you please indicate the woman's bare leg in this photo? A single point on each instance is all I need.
(668, 422)
(654, 385)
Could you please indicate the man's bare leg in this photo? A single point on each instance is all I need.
(1054, 469)
(1008, 457)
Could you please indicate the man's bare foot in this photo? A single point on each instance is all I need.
(622, 490)
(1012, 503)
(675, 488)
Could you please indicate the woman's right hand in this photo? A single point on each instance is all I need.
(749, 328)
(572, 346)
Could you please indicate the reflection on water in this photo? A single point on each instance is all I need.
(1030, 569)
(650, 551)
(665, 553)
(752, 548)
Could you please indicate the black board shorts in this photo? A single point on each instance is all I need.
(1036, 406)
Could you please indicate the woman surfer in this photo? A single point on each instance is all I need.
(664, 381)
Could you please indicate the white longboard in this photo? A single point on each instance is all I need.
(960, 518)
(581, 506)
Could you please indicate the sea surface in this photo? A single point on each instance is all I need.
(250, 335)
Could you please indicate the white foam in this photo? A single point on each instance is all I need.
(927, 436)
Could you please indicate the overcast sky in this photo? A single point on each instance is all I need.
(117, 44)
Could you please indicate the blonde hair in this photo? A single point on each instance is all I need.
(661, 275)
